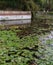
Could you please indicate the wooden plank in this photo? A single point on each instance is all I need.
(15, 12)
(15, 15)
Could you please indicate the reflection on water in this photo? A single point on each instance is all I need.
(47, 37)
(46, 49)
(15, 22)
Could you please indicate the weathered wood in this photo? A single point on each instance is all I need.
(15, 17)
(15, 12)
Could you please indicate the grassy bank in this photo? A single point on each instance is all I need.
(15, 50)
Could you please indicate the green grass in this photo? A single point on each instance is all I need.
(16, 51)
(12, 48)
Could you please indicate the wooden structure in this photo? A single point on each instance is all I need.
(15, 17)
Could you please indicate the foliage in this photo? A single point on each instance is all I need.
(26, 4)
(14, 50)
(19, 51)
(18, 5)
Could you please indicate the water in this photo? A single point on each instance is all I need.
(46, 49)
(15, 22)
(47, 37)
